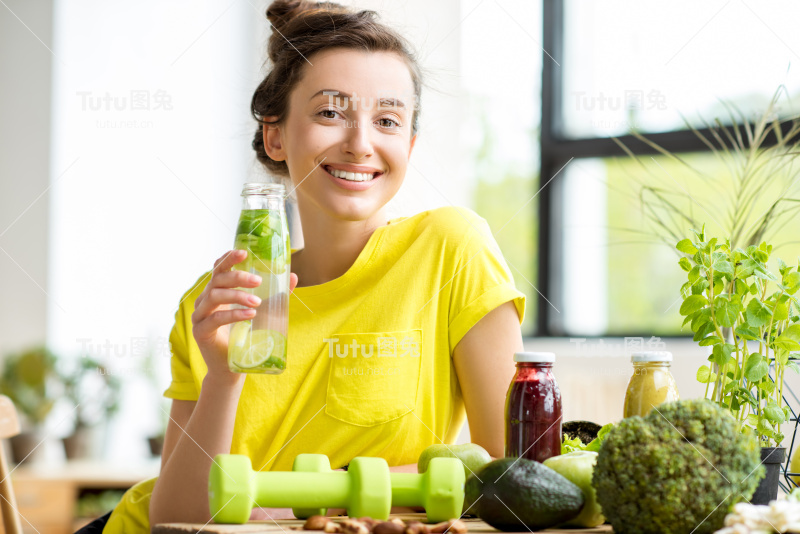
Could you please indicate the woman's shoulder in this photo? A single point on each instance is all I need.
(191, 294)
(452, 221)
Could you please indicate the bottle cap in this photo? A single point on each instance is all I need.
(651, 356)
(535, 357)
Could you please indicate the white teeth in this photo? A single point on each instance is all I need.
(351, 176)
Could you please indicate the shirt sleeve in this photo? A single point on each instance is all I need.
(481, 282)
(182, 344)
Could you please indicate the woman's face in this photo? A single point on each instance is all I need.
(370, 130)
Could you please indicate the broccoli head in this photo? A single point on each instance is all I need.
(677, 470)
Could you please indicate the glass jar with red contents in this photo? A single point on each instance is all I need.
(533, 408)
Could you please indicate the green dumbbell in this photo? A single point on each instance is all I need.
(438, 490)
(367, 488)
(234, 488)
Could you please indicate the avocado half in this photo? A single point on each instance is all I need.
(586, 431)
(517, 493)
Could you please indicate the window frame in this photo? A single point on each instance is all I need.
(556, 151)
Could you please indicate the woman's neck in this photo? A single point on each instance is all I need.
(331, 247)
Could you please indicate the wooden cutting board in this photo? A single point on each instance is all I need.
(289, 525)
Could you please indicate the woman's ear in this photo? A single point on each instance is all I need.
(273, 142)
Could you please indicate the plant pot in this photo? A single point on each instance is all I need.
(28, 447)
(156, 445)
(767, 490)
(84, 443)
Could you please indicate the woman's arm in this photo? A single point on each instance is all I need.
(485, 366)
(181, 491)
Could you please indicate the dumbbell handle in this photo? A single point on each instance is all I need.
(407, 489)
(287, 489)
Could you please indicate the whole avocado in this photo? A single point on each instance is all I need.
(517, 494)
(677, 470)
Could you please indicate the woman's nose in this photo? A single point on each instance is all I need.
(358, 140)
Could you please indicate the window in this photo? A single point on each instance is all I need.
(623, 65)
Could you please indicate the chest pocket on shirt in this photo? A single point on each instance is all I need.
(374, 376)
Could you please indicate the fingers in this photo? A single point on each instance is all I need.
(206, 328)
(218, 296)
(292, 282)
(228, 260)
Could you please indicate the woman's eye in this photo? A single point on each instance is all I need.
(322, 113)
(393, 122)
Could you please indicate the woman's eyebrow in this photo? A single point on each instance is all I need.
(383, 102)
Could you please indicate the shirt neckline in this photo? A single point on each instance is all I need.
(364, 258)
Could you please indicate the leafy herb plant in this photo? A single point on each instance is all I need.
(749, 316)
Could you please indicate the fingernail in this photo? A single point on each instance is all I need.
(254, 300)
(255, 278)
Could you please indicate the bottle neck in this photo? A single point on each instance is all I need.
(259, 196)
(651, 365)
(534, 365)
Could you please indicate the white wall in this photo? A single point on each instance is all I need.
(25, 78)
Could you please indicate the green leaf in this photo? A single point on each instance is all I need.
(789, 338)
(724, 267)
(721, 355)
(711, 340)
(685, 246)
(694, 274)
(745, 269)
(794, 367)
(782, 267)
(780, 311)
(752, 419)
(700, 318)
(685, 264)
(703, 331)
(741, 288)
(692, 304)
(773, 413)
(758, 314)
(764, 428)
(699, 286)
(756, 367)
(747, 333)
(724, 311)
(704, 375)
(792, 282)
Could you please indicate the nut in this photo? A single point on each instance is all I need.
(398, 521)
(351, 526)
(369, 522)
(455, 526)
(388, 527)
(316, 522)
(330, 527)
(416, 527)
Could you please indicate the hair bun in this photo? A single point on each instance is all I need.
(281, 12)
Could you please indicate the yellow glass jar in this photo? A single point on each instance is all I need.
(651, 383)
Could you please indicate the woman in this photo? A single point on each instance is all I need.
(430, 293)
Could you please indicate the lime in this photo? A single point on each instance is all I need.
(253, 348)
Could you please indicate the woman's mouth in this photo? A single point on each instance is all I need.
(352, 176)
(351, 181)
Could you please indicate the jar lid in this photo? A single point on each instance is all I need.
(651, 356)
(262, 188)
(535, 357)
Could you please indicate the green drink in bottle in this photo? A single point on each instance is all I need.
(258, 345)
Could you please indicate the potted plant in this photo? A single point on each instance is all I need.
(29, 380)
(95, 393)
(749, 317)
(734, 304)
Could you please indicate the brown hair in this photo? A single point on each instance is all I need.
(301, 29)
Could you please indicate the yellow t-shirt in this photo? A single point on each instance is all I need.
(369, 365)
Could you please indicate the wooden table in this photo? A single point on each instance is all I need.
(287, 525)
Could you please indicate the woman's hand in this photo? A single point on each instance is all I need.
(212, 310)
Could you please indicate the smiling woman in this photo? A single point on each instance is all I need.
(398, 328)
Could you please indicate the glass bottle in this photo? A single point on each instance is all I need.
(533, 408)
(259, 345)
(651, 384)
